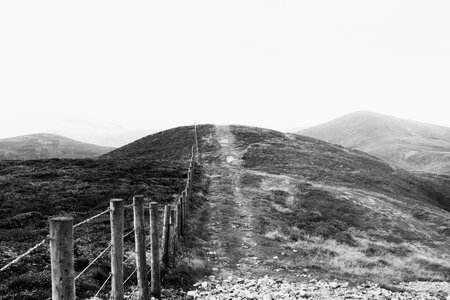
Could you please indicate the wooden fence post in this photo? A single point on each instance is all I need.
(196, 144)
(173, 234)
(178, 212)
(156, 283)
(186, 203)
(176, 223)
(139, 234)
(117, 220)
(61, 256)
(183, 200)
(192, 175)
(188, 183)
(196, 138)
(165, 238)
(180, 199)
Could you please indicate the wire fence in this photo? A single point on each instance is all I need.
(179, 212)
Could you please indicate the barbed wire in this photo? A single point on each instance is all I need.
(129, 258)
(99, 256)
(28, 252)
(95, 259)
(128, 206)
(47, 238)
(128, 233)
(103, 285)
(131, 275)
(91, 218)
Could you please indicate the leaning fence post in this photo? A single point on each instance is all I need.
(165, 238)
(156, 283)
(139, 234)
(61, 256)
(117, 219)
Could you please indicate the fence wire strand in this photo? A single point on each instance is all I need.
(131, 275)
(91, 218)
(93, 262)
(28, 252)
(99, 256)
(103, 285)
(128, 233)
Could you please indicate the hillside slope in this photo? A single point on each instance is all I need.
(169, 144)
(412, 145)
(296, 206)
(45, 146)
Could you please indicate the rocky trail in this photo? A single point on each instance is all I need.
(232, 250)
(267, 288)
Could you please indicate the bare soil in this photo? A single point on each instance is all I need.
(233, 248)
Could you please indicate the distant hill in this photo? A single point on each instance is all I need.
(44, 146)
(409, 144)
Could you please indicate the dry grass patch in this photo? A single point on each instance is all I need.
(378, 261)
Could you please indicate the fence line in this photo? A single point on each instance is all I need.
(174, 226)
(47, 239)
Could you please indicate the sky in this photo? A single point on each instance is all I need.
(111, 66)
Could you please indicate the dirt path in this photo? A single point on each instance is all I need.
(233, 249)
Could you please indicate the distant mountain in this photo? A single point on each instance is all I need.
(45, 145)
(409, 144)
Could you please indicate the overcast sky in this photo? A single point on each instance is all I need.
(275, 64)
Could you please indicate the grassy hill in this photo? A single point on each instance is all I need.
(45, 146)
(169, 144)
(411, 145)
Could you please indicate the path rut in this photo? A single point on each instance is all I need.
(233, 248)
